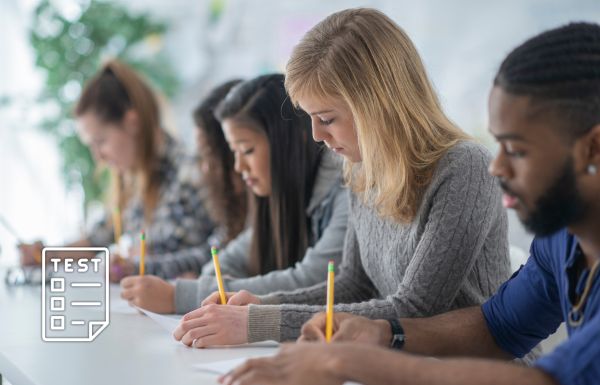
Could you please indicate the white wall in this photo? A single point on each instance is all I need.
(461, 41)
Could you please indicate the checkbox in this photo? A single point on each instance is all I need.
(57, 285)
(57, 303)
(57, 322)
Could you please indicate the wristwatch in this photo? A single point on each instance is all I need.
(397, 334)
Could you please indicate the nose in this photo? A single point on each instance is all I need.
(499, 167)
(239, 164)
(318, 133)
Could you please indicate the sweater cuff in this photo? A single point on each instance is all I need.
(264, 323)
(269, 299)
(186, 295)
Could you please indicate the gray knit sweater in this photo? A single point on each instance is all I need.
(453, 254)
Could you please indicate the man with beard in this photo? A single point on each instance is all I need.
(545, 114)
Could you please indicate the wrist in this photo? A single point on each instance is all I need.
(171, 294)
(385, 333)
(397, 334)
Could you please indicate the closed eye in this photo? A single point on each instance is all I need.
(326, 122)
(509, 150)
(515, 154)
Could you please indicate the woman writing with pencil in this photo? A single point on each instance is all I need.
(426, 232)
(298, 212)
(155, 185)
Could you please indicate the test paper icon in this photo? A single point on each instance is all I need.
(75, 302)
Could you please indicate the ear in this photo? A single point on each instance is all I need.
(131, 122)
(592, 147)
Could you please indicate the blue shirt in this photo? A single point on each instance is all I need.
(534, 301)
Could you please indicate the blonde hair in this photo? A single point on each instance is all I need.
(365, 59)
(114, 90)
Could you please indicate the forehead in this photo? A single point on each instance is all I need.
(238, 131)
(89, 126)
(88, 120)
(313, 104)
(517, 116)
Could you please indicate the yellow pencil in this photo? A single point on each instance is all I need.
(329, 319)
(117, 225)
(215, 256)
(142, 253)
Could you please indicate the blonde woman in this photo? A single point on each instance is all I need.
(426, 233)
(155, 185)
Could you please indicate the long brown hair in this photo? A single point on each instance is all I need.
(226, 195)
(280, 227)
(113, 91)
(363, 58)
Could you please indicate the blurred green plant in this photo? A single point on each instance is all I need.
(69, 47)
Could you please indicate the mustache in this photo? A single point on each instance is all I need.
(506, 189)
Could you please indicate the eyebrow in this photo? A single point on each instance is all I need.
(319, 112)
(509, 136)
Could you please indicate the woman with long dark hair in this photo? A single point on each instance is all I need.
(299, 209)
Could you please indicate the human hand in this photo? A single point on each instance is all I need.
(30, 253)
(294, 364)
(149, 292)
(348, 328)
(240, 298)
(212, 325)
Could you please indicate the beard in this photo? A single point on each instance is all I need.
(560, 206)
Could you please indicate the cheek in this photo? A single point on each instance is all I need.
(528, 183)
(264, 164)
(353, 136)
(346, 133)
(122, 147)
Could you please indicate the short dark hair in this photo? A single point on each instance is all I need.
(560, 70)
(280, 227)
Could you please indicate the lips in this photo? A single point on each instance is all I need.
(509, 201)
(333, 148)
(250, 181)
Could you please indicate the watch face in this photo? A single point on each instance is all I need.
(397, 334)
(398, 341)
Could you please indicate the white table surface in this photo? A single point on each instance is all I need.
(133, 349)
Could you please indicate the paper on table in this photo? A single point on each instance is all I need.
(223, 366)
(120, 306)
(166, 322)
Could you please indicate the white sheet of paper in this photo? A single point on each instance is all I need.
(120, 306)
(169, 323)
(222, 367)
(225, 366)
